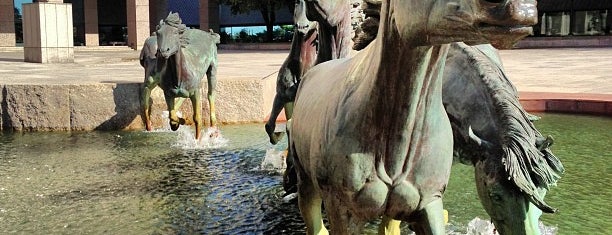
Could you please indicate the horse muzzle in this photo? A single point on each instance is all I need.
(166, 53)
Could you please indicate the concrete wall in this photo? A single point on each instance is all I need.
(7, 23)
(117, 106)
(48, 33)
(137, 22)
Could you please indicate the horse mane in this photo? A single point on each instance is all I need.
(174, 20)
(528, 167)
(369, 26)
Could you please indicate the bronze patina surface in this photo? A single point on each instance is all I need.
(375, 140)
(182, 58)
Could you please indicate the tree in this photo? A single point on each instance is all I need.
(18, 26)
(266, 7)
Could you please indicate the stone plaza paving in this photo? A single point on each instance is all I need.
(559, 79)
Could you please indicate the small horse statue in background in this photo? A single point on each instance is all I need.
(183, 57)
(373, 140)
(302, 56)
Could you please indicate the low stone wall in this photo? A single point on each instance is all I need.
(117, 106)
(256, 46)
(567, 41)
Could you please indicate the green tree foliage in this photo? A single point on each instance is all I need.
(267, 8)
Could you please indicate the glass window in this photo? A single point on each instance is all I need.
(555, 23)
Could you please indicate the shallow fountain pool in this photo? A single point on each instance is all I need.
(153, 183)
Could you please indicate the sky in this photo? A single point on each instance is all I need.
(19, 2)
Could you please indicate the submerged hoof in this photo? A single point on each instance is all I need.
(271, 134)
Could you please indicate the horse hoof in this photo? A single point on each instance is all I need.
(271, 134)
(174, 126)
(277, 136)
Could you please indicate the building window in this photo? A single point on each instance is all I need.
(555, 24)
(590, 22)
(581, 23)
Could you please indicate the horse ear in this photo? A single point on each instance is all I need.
(479, 141)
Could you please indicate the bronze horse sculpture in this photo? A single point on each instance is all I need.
(183, 57)
(513, 165)
(332, 32)
(334, 27)
(375, 141)
(302, 56)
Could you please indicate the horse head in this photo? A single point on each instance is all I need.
(431, 22)
(302, 24)
(509, 208)
(169, 35)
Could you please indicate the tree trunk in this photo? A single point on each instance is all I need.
(269, 16)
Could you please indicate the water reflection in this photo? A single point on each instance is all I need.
(142, 183)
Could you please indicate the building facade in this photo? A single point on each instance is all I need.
(574, 17)
(130, 22)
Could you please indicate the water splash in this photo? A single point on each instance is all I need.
(274, 161)
(185, 138)
(212, 138)
(484, 227)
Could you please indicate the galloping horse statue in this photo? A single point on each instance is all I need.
(481, 101)
(302, 56)
(334, 27)
(332, 32)
(183, 57)
(375, 141)
(514, 167)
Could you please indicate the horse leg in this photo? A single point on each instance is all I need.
(172, 108)
(150, 82)
(290, 180)
(182, 120)
(430, 220)
(196, 102)
(211, 74)
(389, 226)
(270, 126)
(145, 100)
(340, 219)
(309, 201)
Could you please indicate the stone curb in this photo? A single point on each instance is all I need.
(116, 106)
(598, 104)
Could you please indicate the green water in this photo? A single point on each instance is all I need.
(149, 183)
(583, 143)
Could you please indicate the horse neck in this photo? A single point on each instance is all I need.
(334, 40)
(406, 87)
(307, 53)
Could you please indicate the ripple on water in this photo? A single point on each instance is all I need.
(140, 182)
